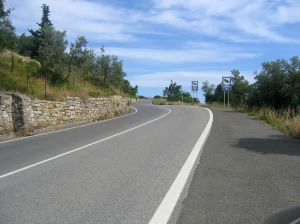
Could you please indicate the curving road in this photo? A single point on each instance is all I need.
(116, 171)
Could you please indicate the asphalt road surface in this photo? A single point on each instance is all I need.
(118, 171)
(247, 171)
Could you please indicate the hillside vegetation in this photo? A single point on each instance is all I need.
(45, 66)
(22, 74)
(274, 96)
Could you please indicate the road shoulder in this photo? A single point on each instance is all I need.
(247, 171)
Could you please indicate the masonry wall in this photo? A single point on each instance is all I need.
(6, 123)
(21, 114)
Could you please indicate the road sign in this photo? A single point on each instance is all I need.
(194, 86)
(227, 87)
(226, 81)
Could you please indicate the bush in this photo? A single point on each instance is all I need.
(159, 101)
(94, 94)
(294, 127)
(283, 120)
(188, 99)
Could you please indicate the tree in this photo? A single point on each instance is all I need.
(294, 81)
(48, 46)
(7, 30)
(219, 93)
(51, 53)
(187, 98)
(166, 92)
(240, 88)
(116, 72)
(174, 91)
(24, 45)
(208, 90)
(76, 56)
(272, 85)
(136, 89)
(38, 35)
(87, 64)
(104, 62)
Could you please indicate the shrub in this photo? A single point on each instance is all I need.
(294, 127)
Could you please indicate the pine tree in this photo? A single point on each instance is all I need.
(39, 34)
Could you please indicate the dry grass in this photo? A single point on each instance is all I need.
(13, 77)
(294, 127)
(286, 121)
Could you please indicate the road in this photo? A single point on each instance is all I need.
(116, 171)
(247, 171)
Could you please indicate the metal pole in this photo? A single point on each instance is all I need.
(224, 99)
(46, 84)
(27, 76)
(228, 99)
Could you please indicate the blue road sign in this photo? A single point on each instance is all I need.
(227, 87)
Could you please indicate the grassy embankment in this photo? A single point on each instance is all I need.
(22, 74)
(286, 121)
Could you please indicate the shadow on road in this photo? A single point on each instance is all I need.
(276, 144)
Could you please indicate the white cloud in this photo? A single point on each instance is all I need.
(184, 78)
(287, 13)
(245, 20)
(92, 19)
(193, 52)
(237, 21)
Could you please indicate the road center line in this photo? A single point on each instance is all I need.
(163, 213)
(82, 147)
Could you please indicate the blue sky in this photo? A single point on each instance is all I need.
(179, 40)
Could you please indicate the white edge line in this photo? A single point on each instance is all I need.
(82, 147)
(65, 129)
(163, 213)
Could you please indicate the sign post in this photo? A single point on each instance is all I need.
(227, 86)
(224, 99)
(194, 88)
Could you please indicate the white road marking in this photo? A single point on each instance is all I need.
(164, 211)
(82, 147)
(65, 129)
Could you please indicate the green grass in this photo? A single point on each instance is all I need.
(286, 121)
(215, 105)
(13, 77)
(163, 101)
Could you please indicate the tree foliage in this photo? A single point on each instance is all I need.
(77, 55)
(48, 46)
(51, 52)
(208, 90)
(39, 34)
(7, 30)
(239, 89)
(277, 86)
(174, 92)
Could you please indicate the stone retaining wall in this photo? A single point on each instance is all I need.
(6, 122)
(21, 114)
